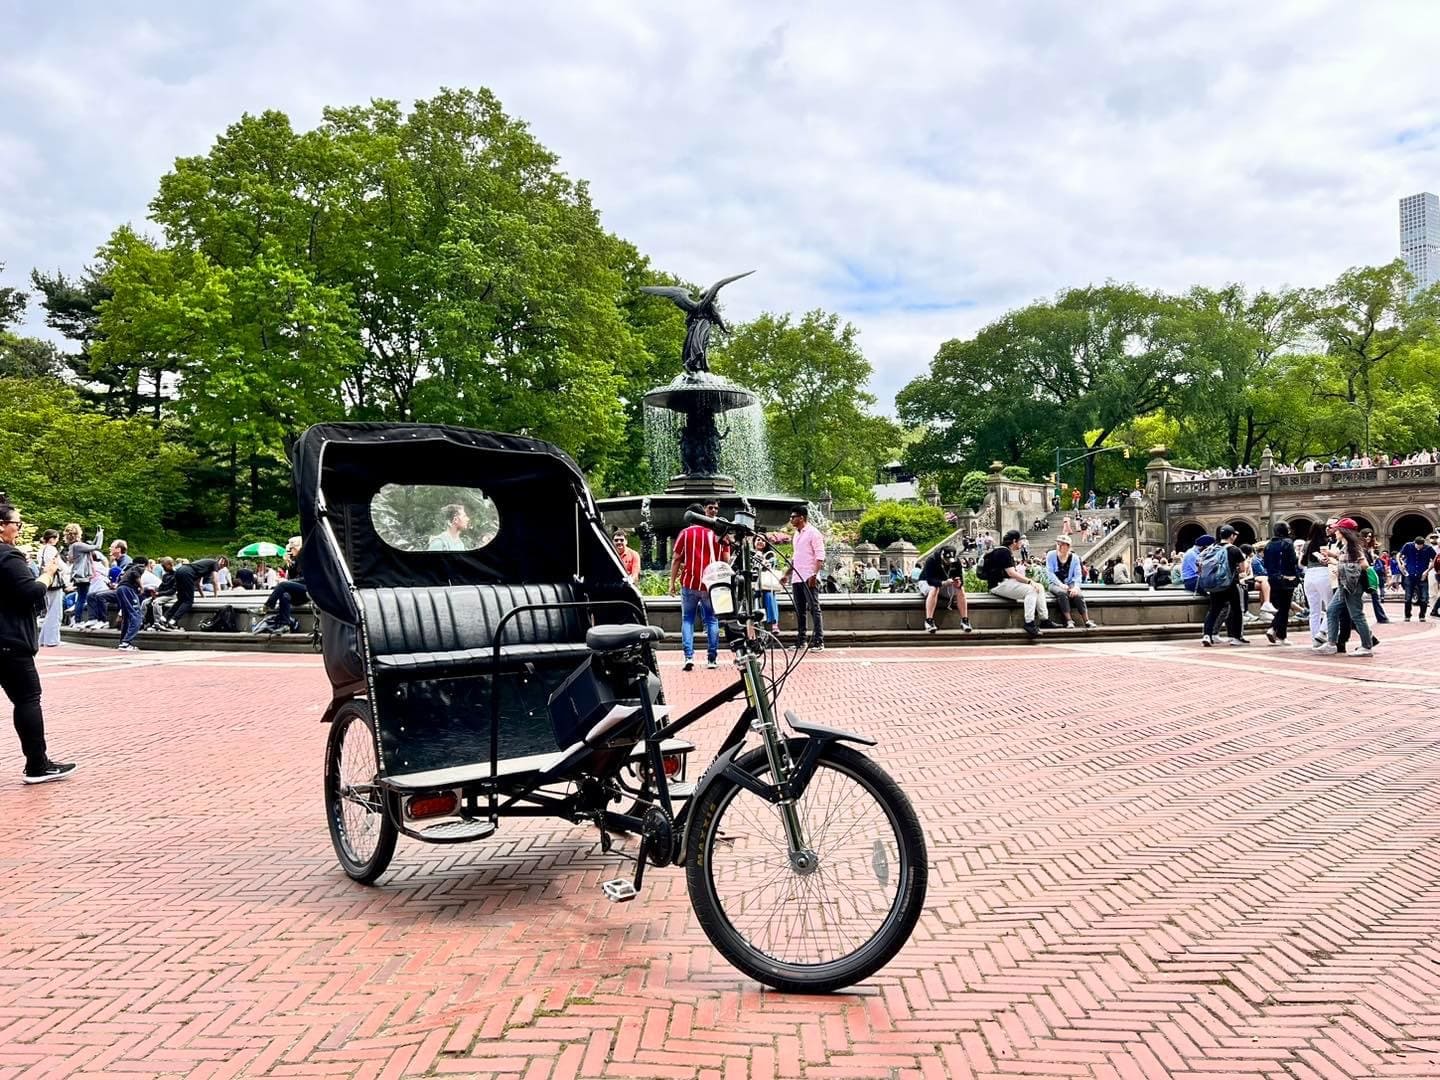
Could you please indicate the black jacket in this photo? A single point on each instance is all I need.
(22, 598)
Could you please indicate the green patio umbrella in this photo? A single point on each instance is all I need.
(262, 550)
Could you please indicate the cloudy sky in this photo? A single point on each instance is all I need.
(917, 168)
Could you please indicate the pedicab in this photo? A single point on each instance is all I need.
(490, 659)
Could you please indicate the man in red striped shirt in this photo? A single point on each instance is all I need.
(697, 547)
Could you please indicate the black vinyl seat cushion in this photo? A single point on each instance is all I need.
(441, 627)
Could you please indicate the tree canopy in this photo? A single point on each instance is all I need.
(1216, 374)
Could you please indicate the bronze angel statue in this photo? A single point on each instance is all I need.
(700, 315)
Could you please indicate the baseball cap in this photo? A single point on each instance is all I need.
(1347, 523)
(1205, 541)
(1063, 538)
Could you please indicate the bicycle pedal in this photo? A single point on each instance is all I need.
(618, 890)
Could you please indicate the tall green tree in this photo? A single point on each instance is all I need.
(72, 307)
(22, 356)
(62, 462)
(1368, 319)
(812, 378)
(1069, 372)
(12, 304)
(478, 283)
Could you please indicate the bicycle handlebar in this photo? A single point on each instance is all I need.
(719, 524)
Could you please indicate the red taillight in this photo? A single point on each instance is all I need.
(425, 806)
(672, 764)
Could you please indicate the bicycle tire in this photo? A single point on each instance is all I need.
(871, 954)
(353, 729)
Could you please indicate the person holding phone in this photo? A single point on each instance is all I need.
(22, 598)
(803, 578)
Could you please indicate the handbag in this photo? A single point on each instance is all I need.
(769, 581)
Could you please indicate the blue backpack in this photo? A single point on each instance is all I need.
(1214, 566)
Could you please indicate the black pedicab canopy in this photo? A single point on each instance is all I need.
(533, 517)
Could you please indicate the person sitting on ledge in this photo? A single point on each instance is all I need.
(1063, 567)
(941, 569)
(1007, 581)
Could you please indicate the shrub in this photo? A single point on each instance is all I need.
(886, 522)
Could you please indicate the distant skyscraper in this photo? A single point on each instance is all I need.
(1420, 237)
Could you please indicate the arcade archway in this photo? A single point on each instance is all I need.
(1300, 526)
(1187, 534)
(1407, 527)
(1244, 531)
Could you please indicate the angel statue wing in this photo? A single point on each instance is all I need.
(680, 297)
(708, 297)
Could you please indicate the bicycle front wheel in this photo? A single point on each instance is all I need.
(849, 907)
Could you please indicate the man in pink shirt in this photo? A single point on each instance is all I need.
(803, 577)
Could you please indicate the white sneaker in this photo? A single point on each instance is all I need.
(1237, 641)
(930, 626)
(1324, 649)
(1362, 651)
(1286, 642)
(1206, 640)
(1267, 608)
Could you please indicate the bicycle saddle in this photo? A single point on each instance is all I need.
(610, 639)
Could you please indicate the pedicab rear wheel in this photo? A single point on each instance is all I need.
(361, 828)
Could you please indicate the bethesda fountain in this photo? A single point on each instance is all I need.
(697, 401)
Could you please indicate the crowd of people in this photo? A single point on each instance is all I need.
(96, 585)
(64, 576)
(698, 547)
(1333, 464)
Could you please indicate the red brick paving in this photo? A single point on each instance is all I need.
(1148, 861)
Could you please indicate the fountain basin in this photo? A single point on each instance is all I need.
(700, 391)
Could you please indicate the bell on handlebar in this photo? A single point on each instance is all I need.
(719, 580)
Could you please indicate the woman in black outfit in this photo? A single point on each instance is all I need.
(22, 597)
(290, 591)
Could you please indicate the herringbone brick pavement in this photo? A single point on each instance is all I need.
(1147, 861)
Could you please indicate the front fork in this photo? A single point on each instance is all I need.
(802, 858)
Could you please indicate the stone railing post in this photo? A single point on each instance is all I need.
(995, 491)
(1264, 489)
(1133, 506)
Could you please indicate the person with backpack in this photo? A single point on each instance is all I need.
(1007, 581)
(1350, 596)
(22, 596)
(1282, 572)
(1218, 577)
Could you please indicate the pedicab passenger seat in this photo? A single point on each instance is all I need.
(449, 627)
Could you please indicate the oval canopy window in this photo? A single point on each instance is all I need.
(434, 517)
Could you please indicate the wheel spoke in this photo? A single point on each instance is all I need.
(360, 812)
(834, 910)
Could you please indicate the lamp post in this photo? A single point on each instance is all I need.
(1087, 453)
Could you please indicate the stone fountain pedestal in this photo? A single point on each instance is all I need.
(701, 397)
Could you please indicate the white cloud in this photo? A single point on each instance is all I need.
(918, 171)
